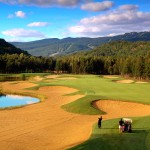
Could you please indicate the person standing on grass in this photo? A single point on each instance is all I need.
(121, 125)
(100, 122)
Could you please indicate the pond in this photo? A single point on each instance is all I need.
(16, 100)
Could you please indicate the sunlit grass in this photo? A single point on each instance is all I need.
(109, 138)
(94, 87)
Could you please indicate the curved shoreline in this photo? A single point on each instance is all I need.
(21, 105)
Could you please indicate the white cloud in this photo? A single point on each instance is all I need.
(8, 1)
(67, 2)
(116, 22)
(20, 14)
(38, 24)
(45, 3)
(129, 7)
(14, 39)
(97, 6)
(23, 33)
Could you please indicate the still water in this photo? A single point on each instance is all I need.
(16, 100)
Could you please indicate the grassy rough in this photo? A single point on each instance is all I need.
(108, 137)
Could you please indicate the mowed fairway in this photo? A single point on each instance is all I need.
(65, 117)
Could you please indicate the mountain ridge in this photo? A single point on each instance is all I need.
(55, 46)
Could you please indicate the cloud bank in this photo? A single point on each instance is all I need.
(23, 33)
(97, 6)
(126, 18)
(38, 24)
(46, 3)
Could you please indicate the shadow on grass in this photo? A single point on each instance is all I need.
(135, 130)
(108, 137)
(140, 130)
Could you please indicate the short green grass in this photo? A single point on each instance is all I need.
(109, 138)
(95, 87)
(86, 103)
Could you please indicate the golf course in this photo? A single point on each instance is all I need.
(67, 114)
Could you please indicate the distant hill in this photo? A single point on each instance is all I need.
(118, 49)
(54, 46)
(7, 48)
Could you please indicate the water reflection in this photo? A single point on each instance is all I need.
(2, 95)
(15, 96)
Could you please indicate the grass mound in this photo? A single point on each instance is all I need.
(83, 106)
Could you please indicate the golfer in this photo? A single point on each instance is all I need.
(121, 124)
(99, 122)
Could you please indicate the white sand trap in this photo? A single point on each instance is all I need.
(58, 77)
(125, 81)
(141, 82)
(37, 78)
(67, 78)
(110, 77)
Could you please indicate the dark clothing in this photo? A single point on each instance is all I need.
(121, 122)
(99, 122)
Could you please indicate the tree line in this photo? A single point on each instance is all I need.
(120, 58)
(138, 67)
(21, 63)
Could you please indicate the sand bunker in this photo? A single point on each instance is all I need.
(17, 86)
(45, 126)
(37, 78)
(68, 78)
(125, 81)
(117, 109)
(110, 77)
(58, 77)
(141, 82)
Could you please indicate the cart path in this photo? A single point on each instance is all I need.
(45, 126)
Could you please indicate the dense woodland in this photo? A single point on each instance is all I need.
(19, 63)
(118, 58)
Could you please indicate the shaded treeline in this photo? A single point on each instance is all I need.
(118, 58)
(19, 63)
(138, 67)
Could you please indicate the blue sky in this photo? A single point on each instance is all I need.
(28, 20)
